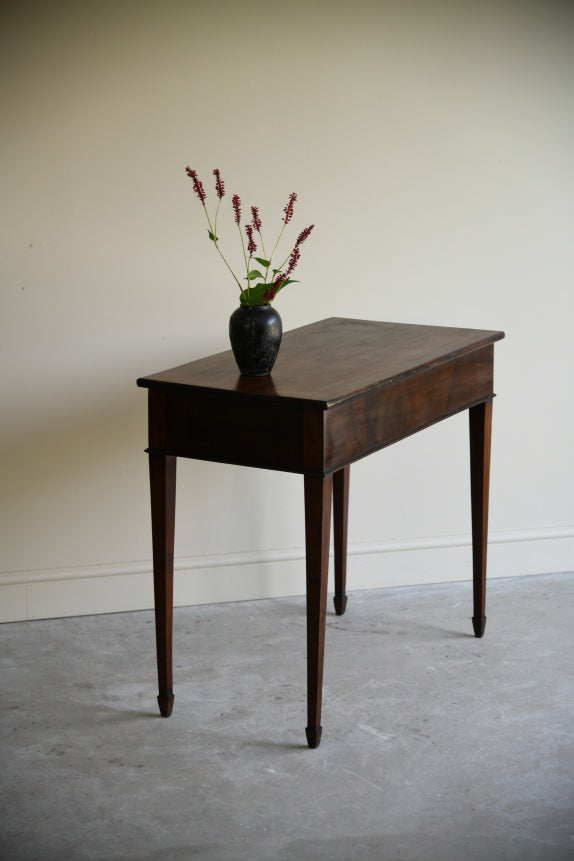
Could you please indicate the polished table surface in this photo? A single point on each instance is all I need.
(340, 390)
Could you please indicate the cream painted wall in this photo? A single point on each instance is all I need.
(432, 145)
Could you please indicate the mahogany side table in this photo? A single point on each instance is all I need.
(340, 390)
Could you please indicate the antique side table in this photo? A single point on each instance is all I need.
(340, 390)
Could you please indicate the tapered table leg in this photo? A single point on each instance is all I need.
(340, 520)
(480, 425)
(318, 494)
(162, 470)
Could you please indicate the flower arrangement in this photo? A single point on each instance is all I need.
(262, 286)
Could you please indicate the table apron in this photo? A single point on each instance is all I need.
(378, 418)
(210, 427)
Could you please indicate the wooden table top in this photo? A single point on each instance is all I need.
(325, 363)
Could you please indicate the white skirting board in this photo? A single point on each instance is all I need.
(48, 594)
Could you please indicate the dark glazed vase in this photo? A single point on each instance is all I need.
(255, 334)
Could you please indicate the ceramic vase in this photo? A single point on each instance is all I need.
(255, 334)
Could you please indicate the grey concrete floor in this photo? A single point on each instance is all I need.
(435, 745)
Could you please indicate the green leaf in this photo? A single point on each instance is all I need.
(263, 262)
(255, 273)
(212, 236)
(254, 296)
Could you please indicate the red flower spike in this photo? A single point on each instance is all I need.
(236, 201)
(304, 234)
(288, 210)
(269, 295)
(256, 218)
(219, 186)
(251, 246)
(293, 260)
(197, 185)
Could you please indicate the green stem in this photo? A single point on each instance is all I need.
(228, 266)
(262, 245)
(265, 255)
(273, 252)
(285, 261)
(216, 214)
(213, 230)
(245, 258)
(278, 241)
